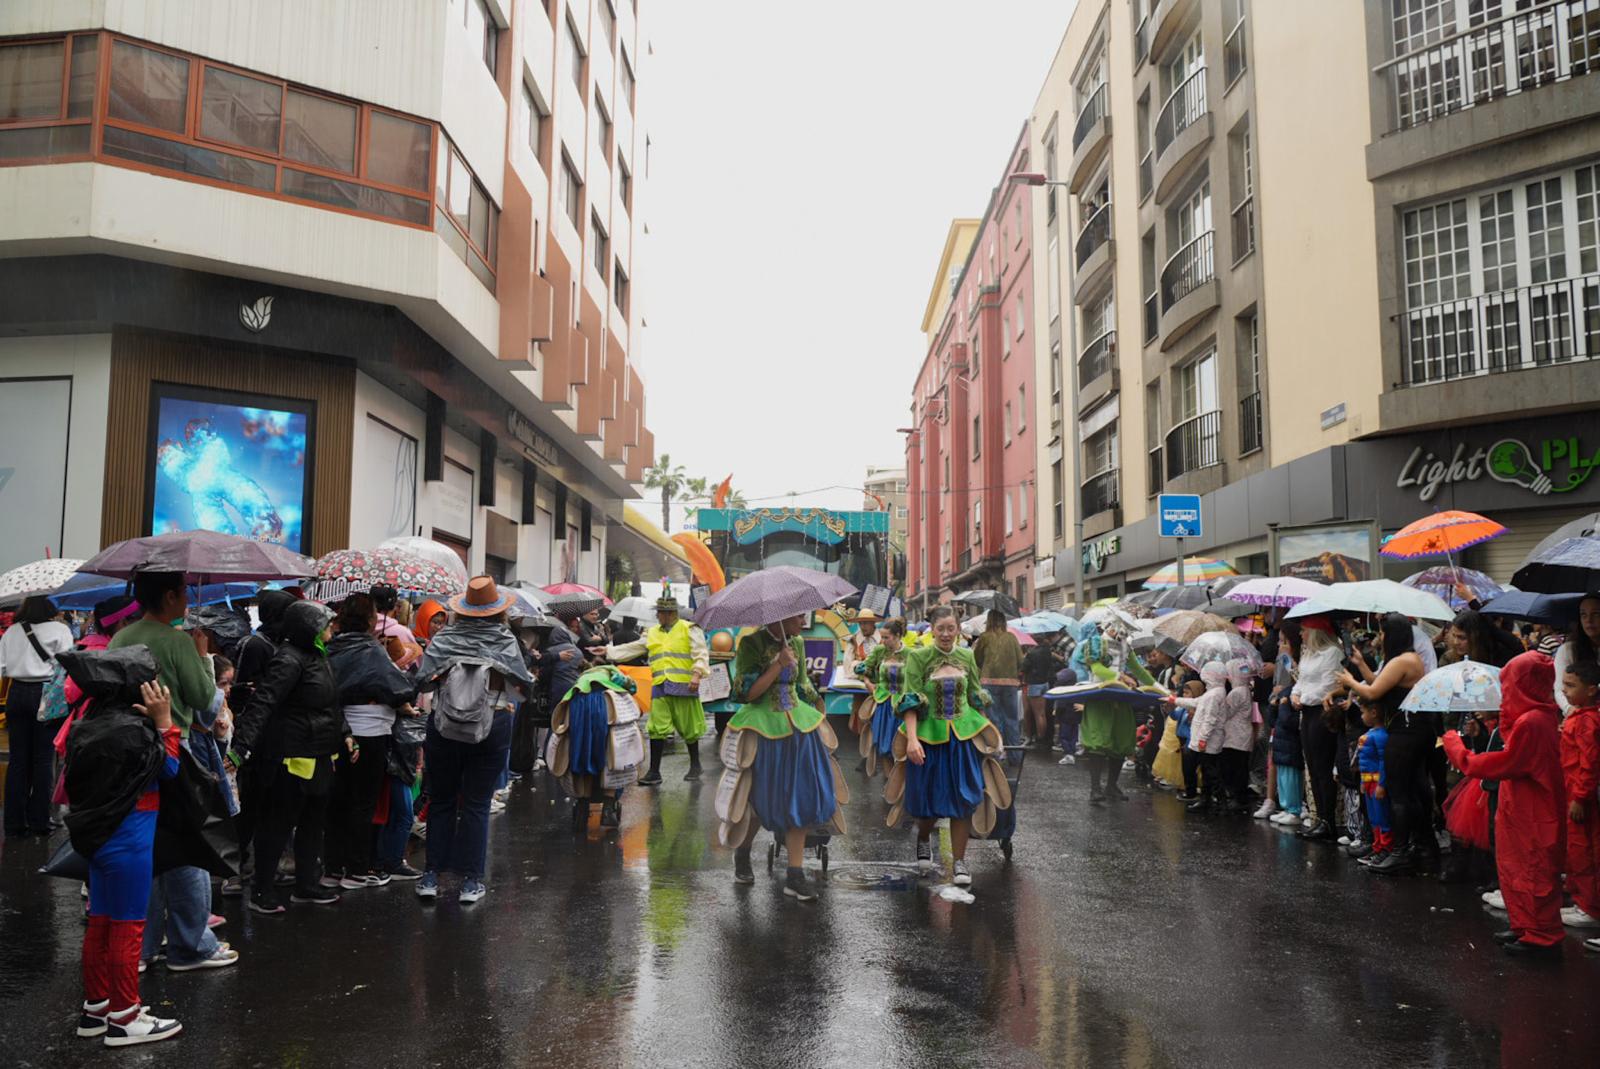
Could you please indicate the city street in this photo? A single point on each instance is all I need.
(1138, 935)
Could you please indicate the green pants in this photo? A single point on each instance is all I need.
(1107, 729)
(685, 716)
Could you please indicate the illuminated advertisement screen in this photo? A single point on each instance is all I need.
(231, 462)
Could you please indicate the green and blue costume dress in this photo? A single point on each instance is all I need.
(596, 743)
(886, 671)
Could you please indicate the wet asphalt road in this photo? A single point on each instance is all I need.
(1138, 936)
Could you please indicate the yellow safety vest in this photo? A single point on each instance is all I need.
(671, 654)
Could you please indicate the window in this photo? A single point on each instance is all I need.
(575, 56)
(320, 131)
(571, 191)
(397, 150)
(1242, 179)
(482, 28)
(1005, 336)
(534, 118)
(244, 111)
(1022, 319)
(32, 79)
(1497, 223)
(977, 437)
(1017, 219)
(602, 129)
(1022, 508)
(1196, 392)
(1008, 422)
(149, 88)
(619, 288)
(624, 185)
(601, 246)
(1588, 216)
(1052, 289)
(1010, 525)
(1247, 344)
(1436, 252)
(628, 84)
(1547, 258)
(467, 219)
(1022, 407)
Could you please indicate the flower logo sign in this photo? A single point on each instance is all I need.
(256, 316)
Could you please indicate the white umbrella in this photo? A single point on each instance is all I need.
(429, 550)
(1374, 596)
(1275, 590)
(38, 577)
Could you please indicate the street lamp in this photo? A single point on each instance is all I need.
(1070, 360)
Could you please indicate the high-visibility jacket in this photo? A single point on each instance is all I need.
(672, 657)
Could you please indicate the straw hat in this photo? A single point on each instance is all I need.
(867, 616)
(481, 598)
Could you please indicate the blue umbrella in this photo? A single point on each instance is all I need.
(770, 595)
(84, 591)
(1559, 609)
(1043, 623)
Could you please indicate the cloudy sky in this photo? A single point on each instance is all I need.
(806, 161)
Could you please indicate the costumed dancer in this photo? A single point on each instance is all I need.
(885, 669)
(1107, 732)
(123, 746)
(946, 749)
(596, 746)
(781, 773)
(679, 660)
(1580, 768)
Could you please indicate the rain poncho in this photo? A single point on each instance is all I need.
(470, 639)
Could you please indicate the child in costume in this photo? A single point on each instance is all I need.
(1369, 760)
(1107, 731)
(885, 669)
(945, 751)
(1580, 768)
(596, 745)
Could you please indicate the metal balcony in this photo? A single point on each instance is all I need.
(1189, 268)
(1093, 110)
(1195, 443)
(1141, 41)
(1099, 357)
(1156, 474)
(1182, 109)
(1233, 57)
(1094, 233)
(1513, 330)
(1152, 318)
(1250, 424)
(1101, 493)
(1244, 228)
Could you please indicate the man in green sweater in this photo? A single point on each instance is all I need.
(180, 901)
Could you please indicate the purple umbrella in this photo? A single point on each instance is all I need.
(202, 557)
(770, 595)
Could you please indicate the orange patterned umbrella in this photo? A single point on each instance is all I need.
(1440, 535)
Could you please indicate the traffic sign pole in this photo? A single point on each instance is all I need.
(1180, 562)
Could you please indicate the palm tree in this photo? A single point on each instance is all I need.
(670, 479)
(736, 500)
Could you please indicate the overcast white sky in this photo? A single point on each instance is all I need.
(807, 159)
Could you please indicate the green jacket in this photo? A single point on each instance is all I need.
(183, 670)
(767, 715)
(924, 695)
(999, 656)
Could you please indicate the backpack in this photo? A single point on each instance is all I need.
(463, 706)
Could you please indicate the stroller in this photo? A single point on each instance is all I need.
(817, 840)
(1005, 820)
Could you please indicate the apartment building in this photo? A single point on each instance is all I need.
(970, 447)
(885, 491)
(1207, 278)
(323, 273)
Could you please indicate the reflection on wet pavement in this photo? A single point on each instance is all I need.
(1133, 936)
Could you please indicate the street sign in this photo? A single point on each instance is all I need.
(1180, 515)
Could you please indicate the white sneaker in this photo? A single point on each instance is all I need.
(503, 795)
(1279, 817)
(1292, 820)
(1344, 840)
(1128, 765)
(1268, 808)
(1067, 759)
(1443, 838)
(962, 877)
(496, 806)
(142, 1028)
(1574, 917)
(1494, 900)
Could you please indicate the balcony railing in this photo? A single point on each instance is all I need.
(1534, 326)
(1548, 42)
(1146, 170)
(1244, 228)
(1141, 41)
(1101, 493)
(1250, 436)
(1098, 358)
(963, 560)
(1095, 233)
(1182, 109)
(1195, 443)
(1152, 318)
(1233, 57)
(1093, 110)
(1156, 473)
(1190, 268)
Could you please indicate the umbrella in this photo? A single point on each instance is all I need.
(84, 591)
(574, 604)
(428, 549)
(1440, 535)
(1160, 643)
(1205, 599)
(558, 589)
(525, 607)
(1572, 564)
(1200, 570)
(1463, 687)
(1226, 584)
(1558, 609)
(351, 571)
(1374, 596)
(1458, 586)
(1186, 625)
(1223, 646)
(39, 577)
(636, 608)
(1585, 526)
(201, 556)
(1108, 614)
(1042, 623)
(987, 600)
(770, 595)
(1276, 590)
(1022, 637)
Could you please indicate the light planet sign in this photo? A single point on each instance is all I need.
(1546, 466)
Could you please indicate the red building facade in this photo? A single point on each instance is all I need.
(970, 466)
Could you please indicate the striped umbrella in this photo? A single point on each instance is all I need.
(1200, 570)
(1440, 535)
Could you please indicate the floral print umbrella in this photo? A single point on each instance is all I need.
(356, 571)
(1458, 586)
(1463, 687)
(39, 577)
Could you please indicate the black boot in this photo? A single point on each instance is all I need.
(611, 813)
(742, 871)
(653, 777)
(1113, 772)
(694, 761)
(1096, 765)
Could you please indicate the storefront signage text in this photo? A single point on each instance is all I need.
(1096, 553)
(542, 448)
(1548, 466)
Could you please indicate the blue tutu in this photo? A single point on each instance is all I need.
(793, 785)
(948, 783)
(588, 725)
(884, 725)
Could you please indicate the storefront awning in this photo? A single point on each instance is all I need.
(640, 530)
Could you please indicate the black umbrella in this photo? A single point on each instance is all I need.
(1205, 599)
(989, 601)
(570, 606)
(1571, 565)
(1557, 609)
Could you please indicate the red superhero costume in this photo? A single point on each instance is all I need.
(1530, 823)
(1580, 766)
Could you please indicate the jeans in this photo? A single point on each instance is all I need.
(183, 897)
(1007, 712)
(32, 760)
(1071, 716)
(461, 779)
(393, 836)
